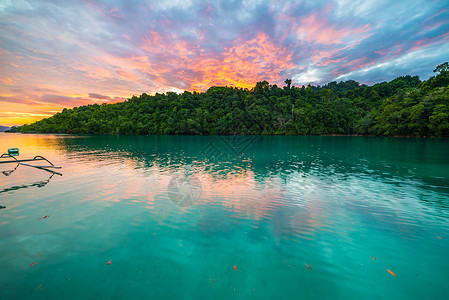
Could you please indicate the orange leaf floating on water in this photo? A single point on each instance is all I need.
(44, 217)
(289, 263)
(235, 268)
(391, 272)
(109, 262)
(33, 264)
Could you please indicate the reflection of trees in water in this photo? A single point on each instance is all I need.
(342, 156)
(329, 160)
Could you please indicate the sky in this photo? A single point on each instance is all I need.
(57, 54)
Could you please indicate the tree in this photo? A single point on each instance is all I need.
(404, 106)
(442, 68)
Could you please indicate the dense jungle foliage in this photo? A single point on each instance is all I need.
(403, 106)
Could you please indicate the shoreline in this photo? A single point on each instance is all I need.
(327, 134)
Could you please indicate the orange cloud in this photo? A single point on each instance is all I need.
(26, 109)
(241, 64)
(246, 63)
(13, 113)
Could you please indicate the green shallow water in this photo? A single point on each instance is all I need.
(175, 214)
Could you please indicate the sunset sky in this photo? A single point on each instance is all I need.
(56, 54)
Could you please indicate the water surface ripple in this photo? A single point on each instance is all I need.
(225, 217)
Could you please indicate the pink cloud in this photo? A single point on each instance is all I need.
(316, 28)
(256, 59)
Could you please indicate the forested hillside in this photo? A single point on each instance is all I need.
(404, 106)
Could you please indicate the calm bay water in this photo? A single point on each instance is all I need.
(225, 217)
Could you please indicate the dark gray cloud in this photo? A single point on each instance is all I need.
(18, 100)
(64, 101)
(98, 96)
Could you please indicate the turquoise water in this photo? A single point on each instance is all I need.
(224, 217)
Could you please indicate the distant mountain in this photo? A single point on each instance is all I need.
(4, 128)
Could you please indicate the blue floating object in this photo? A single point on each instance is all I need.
(13, 151)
